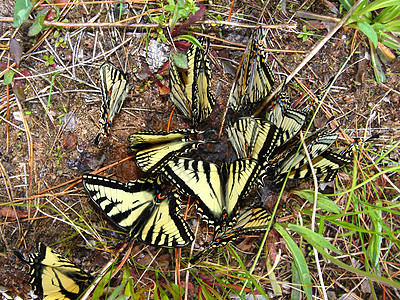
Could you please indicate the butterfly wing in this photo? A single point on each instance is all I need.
(144, 139)
(297, 164)
(240, 177)
(326, 165)
(136, 206)
(254, 78)
(165, 226)
(181, 86)
(155, 149)
(54, 277)
(202, 179)
(190, 89)
(203, 99)
(315, 148)
(114, 90)
(288, 120)
(252, 219)
(254, 138)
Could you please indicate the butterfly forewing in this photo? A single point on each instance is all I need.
(181, 81)
(155, 149)
(203, 98)
(241, 177)
(326, 165)
(151, 159)
(257, 138)
(142, 139)
(315, 148)
(123, 204)
(202, 179)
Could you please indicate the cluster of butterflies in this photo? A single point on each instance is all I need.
(148, 209)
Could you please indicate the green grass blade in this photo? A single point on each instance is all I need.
(317, 238)
(299, 261)
(323, 202)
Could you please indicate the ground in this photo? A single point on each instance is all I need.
(47, 140)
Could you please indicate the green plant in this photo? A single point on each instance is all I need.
(379, 21)
(180, 9)
(22, 10)
(175, 11)
(60, 42)
(58, 154)
(49, 60)
(10, 78)
(305, 34)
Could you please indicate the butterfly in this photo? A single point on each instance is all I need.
(141, 208)
(190, 89)
(287, 119)
(255, 138)
(254, 78)
(52, 276)
(155, 148)
(251, 220)
(294, 163)
(114, 90)
(218, 189)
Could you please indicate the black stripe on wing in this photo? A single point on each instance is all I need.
(251, 220)
(141, 209)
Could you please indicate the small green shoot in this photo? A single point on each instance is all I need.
(180, 9)
(49, 60)
(60, 42)
(305, 34)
